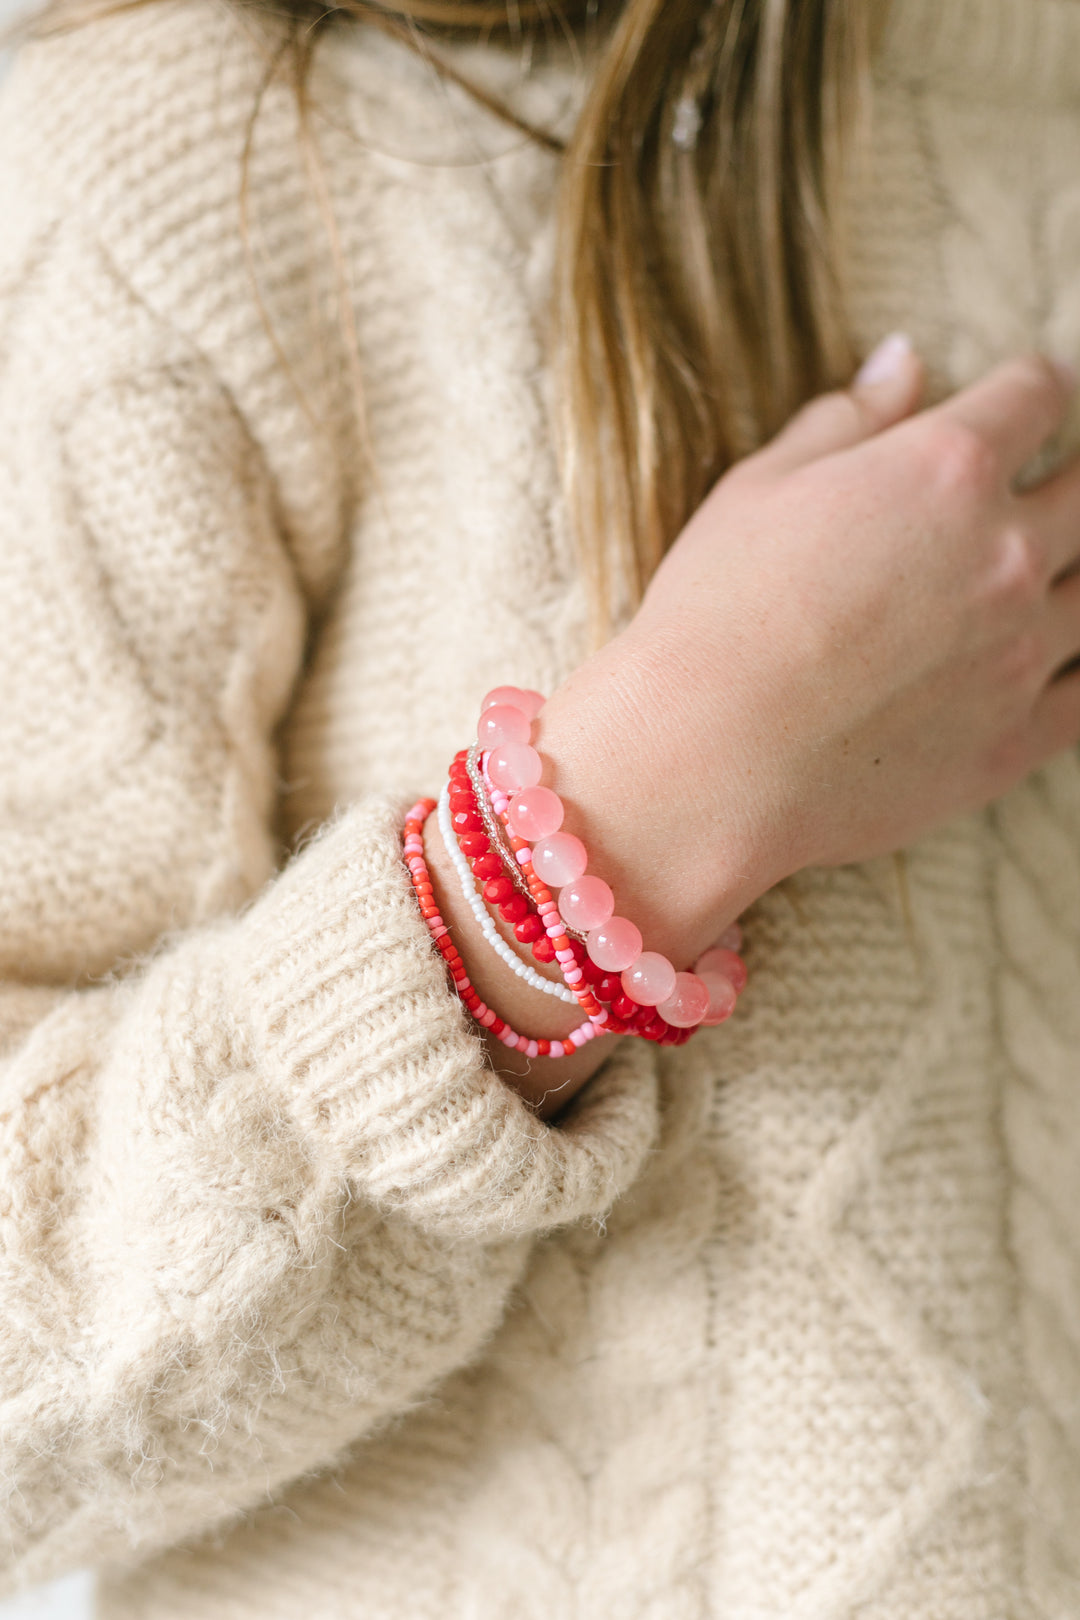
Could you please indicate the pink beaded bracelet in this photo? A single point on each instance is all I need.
(533, 815)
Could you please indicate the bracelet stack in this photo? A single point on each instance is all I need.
(504, 834)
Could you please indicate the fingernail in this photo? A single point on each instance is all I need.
(884, 362)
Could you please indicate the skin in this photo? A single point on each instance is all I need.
(913, 667)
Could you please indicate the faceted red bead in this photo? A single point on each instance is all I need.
(475, 844)
(528, 929)
(497, 889)
(488, 866)
(466, 821)
(515, 909)
(581, 955)
(462, 801)
(462, 755)
(590, 972)
(624, 1009)
(544, 950)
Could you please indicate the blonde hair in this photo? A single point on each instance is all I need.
(699, 288)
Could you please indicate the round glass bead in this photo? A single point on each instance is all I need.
(535, 813)
(722, 997)
(720, 960)
(688, 1003)
(559, 859)
(513, 766)
(502, 724)
(615, 945)
(518, 697)
(649, 980)
(586, 903)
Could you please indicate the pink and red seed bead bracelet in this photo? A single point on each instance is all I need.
(509, 830)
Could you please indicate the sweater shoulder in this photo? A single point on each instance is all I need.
(112, 116)
(162, 134)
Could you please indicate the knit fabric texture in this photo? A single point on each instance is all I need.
(301, 1310)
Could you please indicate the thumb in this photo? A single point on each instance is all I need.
(887, 387)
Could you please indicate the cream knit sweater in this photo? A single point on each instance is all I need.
(302, 1314)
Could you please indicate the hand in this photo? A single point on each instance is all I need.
(861, 632)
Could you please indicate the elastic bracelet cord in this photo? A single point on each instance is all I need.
(483, 916)
(483, 1014)
(493, 827)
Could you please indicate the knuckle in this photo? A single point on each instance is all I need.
(1021, 567)
(964, 465)
(1036, 377)
(836, 414)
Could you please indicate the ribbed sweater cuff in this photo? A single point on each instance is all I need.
(352, 1016)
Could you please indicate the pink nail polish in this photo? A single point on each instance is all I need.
(883, 363)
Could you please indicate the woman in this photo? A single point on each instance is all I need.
(306, 1309)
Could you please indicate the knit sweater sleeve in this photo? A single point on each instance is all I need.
(258, 1190)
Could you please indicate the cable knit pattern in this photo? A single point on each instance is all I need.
(303, 1311)
(259, 1189)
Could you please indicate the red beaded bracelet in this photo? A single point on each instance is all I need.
(425, 894)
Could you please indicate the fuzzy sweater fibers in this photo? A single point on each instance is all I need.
(302, 1313)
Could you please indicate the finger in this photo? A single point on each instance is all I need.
(1014, 409)
(1053, 511)
(1063, 608)
(887, 388)
(1056, 719)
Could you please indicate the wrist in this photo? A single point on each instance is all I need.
(547, 1083)
(682, 864)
